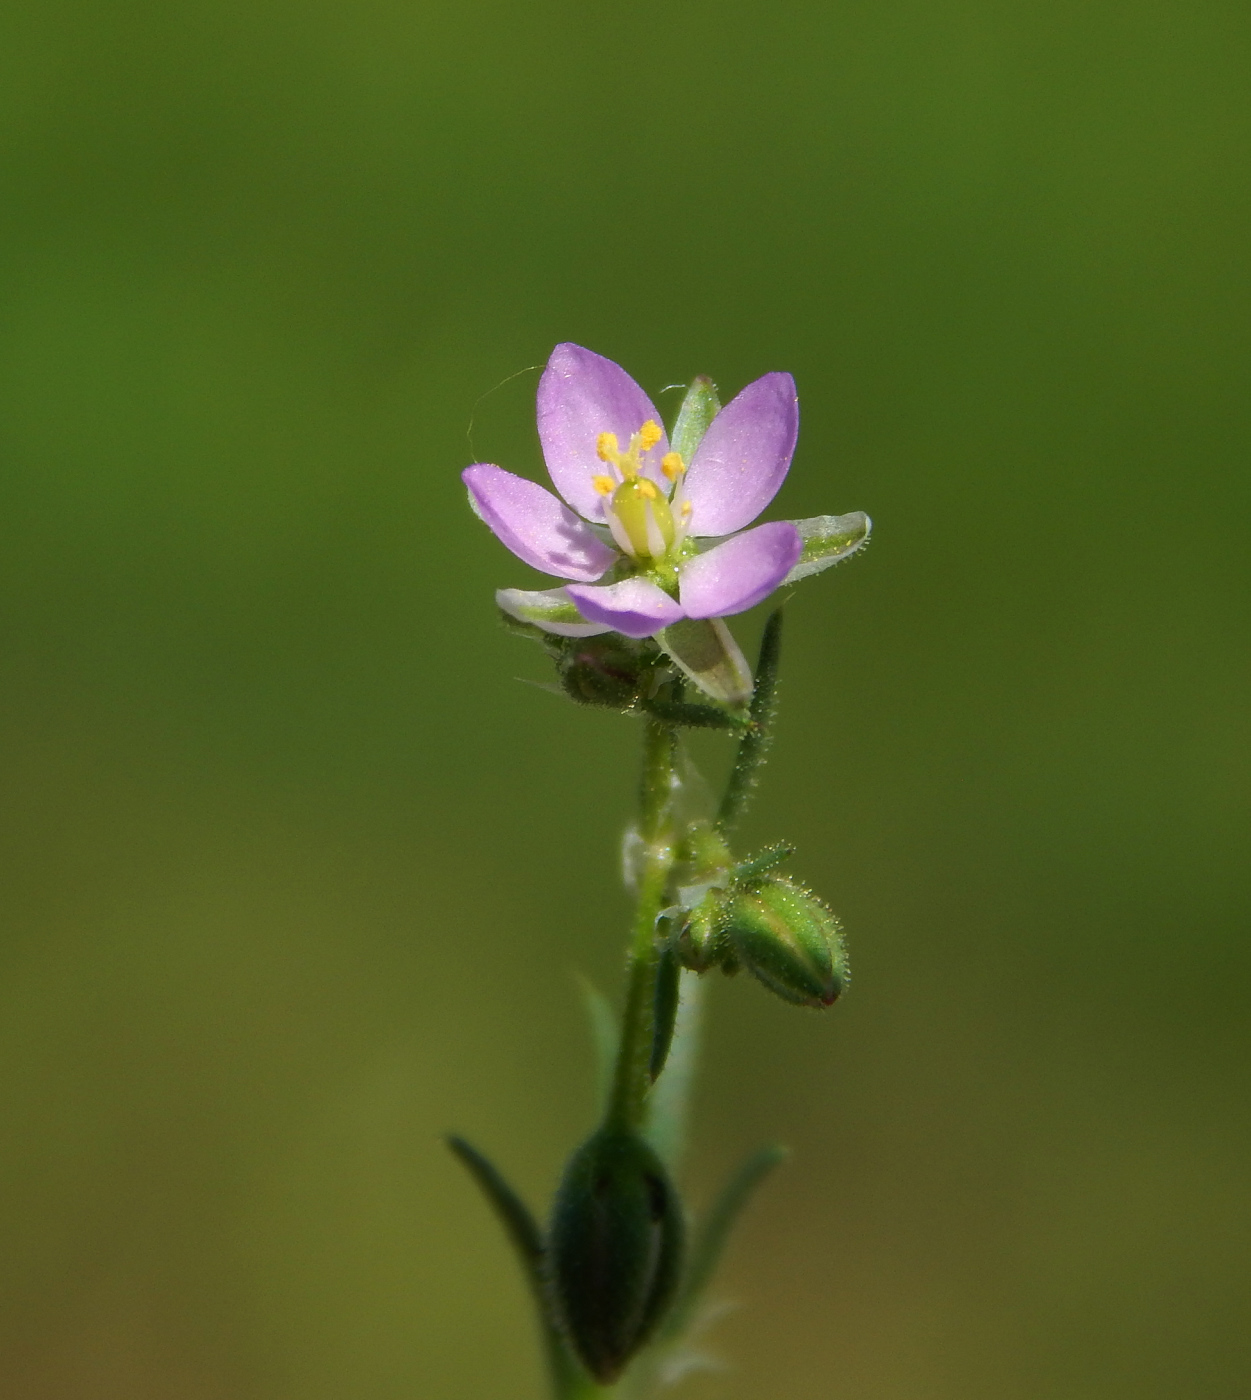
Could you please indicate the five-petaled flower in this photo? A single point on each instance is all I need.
(644, 538)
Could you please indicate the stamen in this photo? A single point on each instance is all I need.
(648, 489)
(606, 447)
(672, 465)
(605, 485)
(650, 434)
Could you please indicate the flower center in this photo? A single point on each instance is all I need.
(639, 513)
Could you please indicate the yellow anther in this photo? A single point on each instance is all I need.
(685, 510)
(605, 485)
(648, 488)
(672, 465)
(606, 447)
(650, 434)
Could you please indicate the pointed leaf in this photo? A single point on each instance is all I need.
(755, 742)
(699, 408)
(827, 539)
(665, 1018)
(710, 1237)
(668, 1105)
(605, 1037)
(568, 1376)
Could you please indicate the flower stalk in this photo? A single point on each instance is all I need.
(632, 1078)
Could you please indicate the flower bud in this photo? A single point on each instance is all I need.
(784, 935)
(699, 943)
(615, 1249)
(606, 670)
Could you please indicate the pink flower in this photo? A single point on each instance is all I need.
(644, 537)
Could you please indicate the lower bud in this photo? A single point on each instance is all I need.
(608, 670)
(699, 944)
(787, 938)
(615, 1249)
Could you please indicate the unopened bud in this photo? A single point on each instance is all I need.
(784, 935)
(700, 944)
(606, 670)
(615, 1249)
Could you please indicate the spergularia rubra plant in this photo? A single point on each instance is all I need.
(652, 534)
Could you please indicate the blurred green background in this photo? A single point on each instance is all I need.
(296, 875)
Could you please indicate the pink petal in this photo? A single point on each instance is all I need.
(535, 525)
(581, 395)
(744, 456)
(736, 575)
(634, 606)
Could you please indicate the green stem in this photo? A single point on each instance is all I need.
(579, 1386)
(633, 1073)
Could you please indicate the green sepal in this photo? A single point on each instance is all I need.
(539, 608)
(704, 854)
(568, 1375)
(746, 871)
(710, 1236)
(689, 716)
(614, 1249)
(705, 652)
(668, 979)
(827, 539)
(699, 408)
(701, 942)
(517, 628)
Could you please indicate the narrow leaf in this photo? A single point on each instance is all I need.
(604, 1036)
(568, 1376)
(827, 539)
(755, 742)
(668, 975)
(668, 1104)
(699, 408)
(514, 1214)
(710, 1237)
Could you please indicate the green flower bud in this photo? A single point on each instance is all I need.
(784, 935)
(606, 670)
(700, 944)
(615, 1249)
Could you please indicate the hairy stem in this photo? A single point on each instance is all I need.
(633, 1073)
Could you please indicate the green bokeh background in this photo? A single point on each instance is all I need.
(297, 875)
